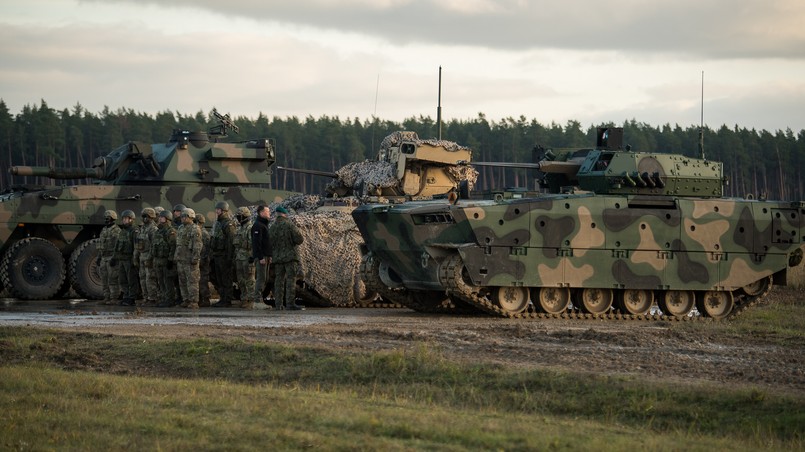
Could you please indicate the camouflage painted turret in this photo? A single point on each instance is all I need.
(47, 233)
(615, 232)
(406, 168)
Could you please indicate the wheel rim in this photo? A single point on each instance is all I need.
(596, 301)
(553, 300)
(511, 299)
(678, 302)
(637, 302)
(715, 304)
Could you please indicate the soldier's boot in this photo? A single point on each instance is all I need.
(184, 304)
(204, 303)
(247, 304)
(190, 304)
(150, 303)
(165, 304)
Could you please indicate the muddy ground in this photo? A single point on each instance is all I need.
(664, 351)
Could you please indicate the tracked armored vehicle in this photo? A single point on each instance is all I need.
(48, 234)
(619, 234)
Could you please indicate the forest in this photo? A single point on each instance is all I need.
(757, 162)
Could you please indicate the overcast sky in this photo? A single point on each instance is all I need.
(589, 60)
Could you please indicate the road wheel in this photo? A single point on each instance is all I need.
(677, 302)
(552, 300)
(84, 273)
(715, 304)
(33, 269)
(513, 300)
(595, 301)
(635, 301)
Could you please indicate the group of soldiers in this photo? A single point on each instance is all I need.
(167, 259)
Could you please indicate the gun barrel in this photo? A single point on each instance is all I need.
(56, 173)
(307, 171)
(546, 166)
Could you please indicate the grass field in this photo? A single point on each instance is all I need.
(67, 390)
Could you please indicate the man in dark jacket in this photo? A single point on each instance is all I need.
(261, 251)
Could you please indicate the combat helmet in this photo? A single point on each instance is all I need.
(179, 207)
(158, 210)
(189, 213)
(128, 214)
(148, 212)
(110, 215)
(244, 212)
(223, 205)
(200, 219)
(166, 214)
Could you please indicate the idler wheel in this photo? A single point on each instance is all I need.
(552, 300)
(715, 304)
(511, 299)
(678, 303)
(595, 301)
(636, 301)
(758, 288)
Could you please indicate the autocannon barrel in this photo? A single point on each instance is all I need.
(56, 173)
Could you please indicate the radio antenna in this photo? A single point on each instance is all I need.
(701, 124)
(439, 106)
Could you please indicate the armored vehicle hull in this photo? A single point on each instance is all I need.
(603, 252)
(48, 234)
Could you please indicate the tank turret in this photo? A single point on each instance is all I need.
(406, 167)
(187, 158)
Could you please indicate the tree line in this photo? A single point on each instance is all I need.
(760, 163)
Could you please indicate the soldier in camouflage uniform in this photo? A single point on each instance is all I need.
(244, 262)
(142, 257)
(177, 223)
(106, 253)
(285, 237)
(124, 257)
(223, 253)
(204, 264)
(162, 249)
(187, 256)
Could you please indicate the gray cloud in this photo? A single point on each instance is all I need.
(712, 29)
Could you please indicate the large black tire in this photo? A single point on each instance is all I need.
(33, 269)
(85, 275)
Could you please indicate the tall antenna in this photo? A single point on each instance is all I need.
(701, 124)
(439, 105)
(374, 113)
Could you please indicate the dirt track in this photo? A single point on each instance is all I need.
(654, 350)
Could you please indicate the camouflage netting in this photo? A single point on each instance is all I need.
(369, 173)
(396, 138)
(330, 255)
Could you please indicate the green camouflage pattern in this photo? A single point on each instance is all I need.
(193, 168)
(649, 225)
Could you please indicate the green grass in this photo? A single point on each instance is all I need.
(82, 390)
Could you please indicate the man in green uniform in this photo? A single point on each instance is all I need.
(106, 253)
(223, 253)
(143, 259)
(204, 264)
(124, 257)
(244, 262)
(285, 237)
(188, 254)
(162, 249)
